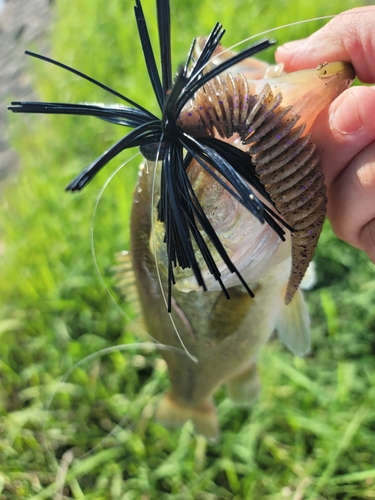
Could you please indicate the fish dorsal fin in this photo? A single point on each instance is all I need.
(125, 281)
(293, 325)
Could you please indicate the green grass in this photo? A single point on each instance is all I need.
(312, 433)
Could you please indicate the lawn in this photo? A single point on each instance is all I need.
(83, 428)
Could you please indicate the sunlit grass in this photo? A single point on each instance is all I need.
(312, 433)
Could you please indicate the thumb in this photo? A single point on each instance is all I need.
(347, 37)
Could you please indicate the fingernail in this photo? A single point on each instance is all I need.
(344, 114)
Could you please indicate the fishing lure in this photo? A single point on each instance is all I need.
(170, 140)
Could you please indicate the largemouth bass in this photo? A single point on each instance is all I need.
(229, 205)
(225, 335)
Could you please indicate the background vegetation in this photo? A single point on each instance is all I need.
(92, 434)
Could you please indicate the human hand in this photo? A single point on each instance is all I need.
(345, 131)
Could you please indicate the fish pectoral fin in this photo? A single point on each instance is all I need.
(226, 315)
(244, 387)
(173, 414)
(293, 325)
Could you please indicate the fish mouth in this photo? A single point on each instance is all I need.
(269, 118)
(310, 91)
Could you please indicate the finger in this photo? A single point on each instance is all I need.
(345, 138)
(343, 129)
(348, 37)
(351, 206)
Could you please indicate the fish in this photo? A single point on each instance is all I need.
(227, 211)
(226, 335)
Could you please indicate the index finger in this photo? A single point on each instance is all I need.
(347, 37)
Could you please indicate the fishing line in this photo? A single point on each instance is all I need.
(266, 32)
(92, 232)
(277, 28)
(93, 251)
(91, 357)
(191, 356)
(99, 273)
(281, 27)
(123, 347)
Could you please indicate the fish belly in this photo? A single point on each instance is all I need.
(224, 335)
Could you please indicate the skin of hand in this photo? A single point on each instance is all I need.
(345, 131)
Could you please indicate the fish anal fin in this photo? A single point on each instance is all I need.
(174, 414)
(293, 325)
(244, 387)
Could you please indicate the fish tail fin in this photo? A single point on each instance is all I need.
(173, 414)
(244, 387)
